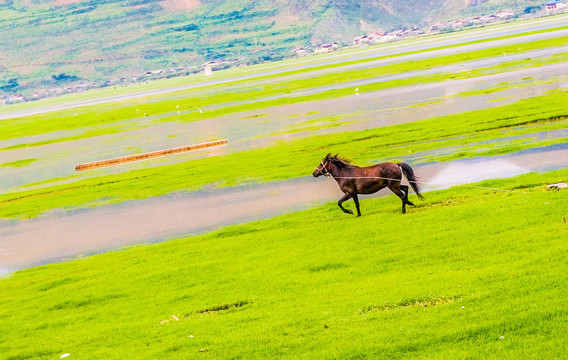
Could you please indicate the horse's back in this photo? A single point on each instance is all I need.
(387, 170)
(370, 179)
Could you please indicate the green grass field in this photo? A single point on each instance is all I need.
(470, 273)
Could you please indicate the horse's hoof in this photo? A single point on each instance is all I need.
(349, 212)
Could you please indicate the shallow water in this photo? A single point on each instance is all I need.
(59, 236)
(254, 129)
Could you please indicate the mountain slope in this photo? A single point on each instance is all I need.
(47, 43)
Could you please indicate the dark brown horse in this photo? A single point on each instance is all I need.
(354, 180)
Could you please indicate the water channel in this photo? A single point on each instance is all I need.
(258, 128)
(63, 235)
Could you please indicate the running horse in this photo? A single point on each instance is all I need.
(354, 180)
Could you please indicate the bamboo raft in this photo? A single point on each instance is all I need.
(149, 155)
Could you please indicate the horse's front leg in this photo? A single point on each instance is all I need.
(356, 201)
(346, 197)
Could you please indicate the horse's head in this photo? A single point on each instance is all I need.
(324, 167)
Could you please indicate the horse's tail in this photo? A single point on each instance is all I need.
(412, 179)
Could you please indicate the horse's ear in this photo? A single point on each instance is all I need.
(328, 155)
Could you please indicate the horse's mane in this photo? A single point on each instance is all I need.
(337, 158)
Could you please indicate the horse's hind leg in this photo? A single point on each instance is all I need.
(396, 189)
(405, 189)
(346, 197)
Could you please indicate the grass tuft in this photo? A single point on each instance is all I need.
(406, 304)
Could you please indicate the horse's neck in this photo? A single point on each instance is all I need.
(341, 170)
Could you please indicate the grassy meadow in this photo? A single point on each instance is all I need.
(469, 273)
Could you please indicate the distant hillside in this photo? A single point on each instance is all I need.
(51, 44)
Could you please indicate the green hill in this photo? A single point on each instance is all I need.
(52, 44)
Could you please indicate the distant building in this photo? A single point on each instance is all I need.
(489, 18)
(505, 14)
(331, 47)
(458, 24)
(476, 21)
(361, 40)
(327, 48)
(393, 36)
(411, 32)
(375, 37)
(14, 99)
(555, 4)
(440, 26)
(209, 66)
(300, 51)
(40, 94)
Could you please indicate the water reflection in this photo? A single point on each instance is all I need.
(62, 235)
(473, 170)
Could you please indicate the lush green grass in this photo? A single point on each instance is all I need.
(470, 273)
(461, 134)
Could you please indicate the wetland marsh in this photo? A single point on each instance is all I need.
(419, 124)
